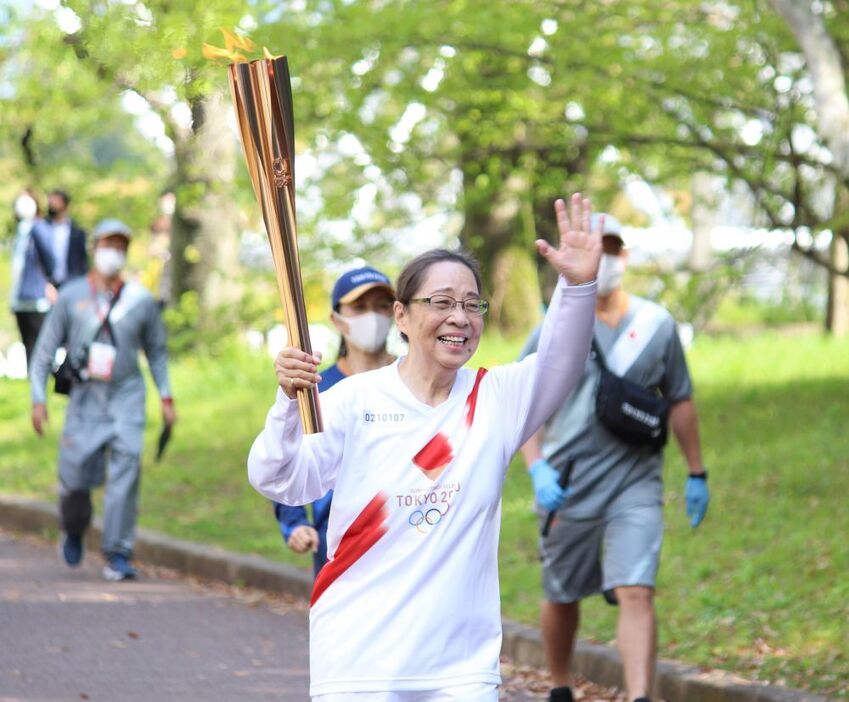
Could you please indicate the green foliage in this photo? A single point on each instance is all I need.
(692, 296)
(755, 590)
(505, 107)
(507, 74)
(8, 326)
(77, 136)
(533, 93)
(214, 332)
(68, 91)
(260, 306)
(181, 320)
(747, 313)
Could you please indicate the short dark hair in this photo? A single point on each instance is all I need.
(343, 348)
(410, 278)
(61, 193)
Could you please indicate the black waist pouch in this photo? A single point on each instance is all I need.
(629, 411)
(65, 376)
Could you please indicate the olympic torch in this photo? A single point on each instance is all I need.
(262, 95)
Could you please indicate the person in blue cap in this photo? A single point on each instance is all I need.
(361, 304)
(103, 321)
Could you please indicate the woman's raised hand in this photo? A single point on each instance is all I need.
(579, 252)
(296, 370)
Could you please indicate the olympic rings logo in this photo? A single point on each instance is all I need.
(423, 519)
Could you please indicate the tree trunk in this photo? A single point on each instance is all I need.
(704, 219)
(837, 316)
(827, 73)
(205, 241)
(490, 226)
(516, 299)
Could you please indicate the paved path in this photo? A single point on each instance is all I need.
(68, 635)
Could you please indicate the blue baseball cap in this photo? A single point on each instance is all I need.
(358, 281)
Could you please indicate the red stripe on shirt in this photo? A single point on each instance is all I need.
(436, 453)
(472, 399)
(365, 531)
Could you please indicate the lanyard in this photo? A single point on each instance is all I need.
(104, 318)
(97, 306)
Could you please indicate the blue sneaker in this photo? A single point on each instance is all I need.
(118, 568)
(72, 550)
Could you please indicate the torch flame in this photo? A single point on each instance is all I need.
(232, 42)
(213, 53)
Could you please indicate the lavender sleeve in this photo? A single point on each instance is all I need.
(564, 344)
(534, 388)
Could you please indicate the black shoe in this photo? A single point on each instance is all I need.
(642, 699)
(561, 694)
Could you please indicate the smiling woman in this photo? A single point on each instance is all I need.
(443, 327)
(407, 608)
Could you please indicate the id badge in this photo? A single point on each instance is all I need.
(101, 360)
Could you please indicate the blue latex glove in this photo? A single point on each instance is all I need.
(548, 493)
(698, 497)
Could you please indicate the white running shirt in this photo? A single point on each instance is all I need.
(409, 598)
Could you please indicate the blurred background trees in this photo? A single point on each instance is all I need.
(421, 123)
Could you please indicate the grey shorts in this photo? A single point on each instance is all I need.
(584, 557)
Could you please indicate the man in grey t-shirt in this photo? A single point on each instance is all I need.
(608, 531)
(103, 322)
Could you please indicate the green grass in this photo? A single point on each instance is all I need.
(761, 588)
(741, 312)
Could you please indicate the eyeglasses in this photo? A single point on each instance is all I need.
(443, 303)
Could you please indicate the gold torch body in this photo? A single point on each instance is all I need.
(262, 96)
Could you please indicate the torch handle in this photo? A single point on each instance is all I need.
(294, 306)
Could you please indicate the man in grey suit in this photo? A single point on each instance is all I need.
(68, 239)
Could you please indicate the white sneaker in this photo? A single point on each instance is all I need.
(118, 568)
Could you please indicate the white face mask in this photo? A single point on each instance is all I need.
(367, 331)
(610, 272)
(25, 208)
(108, 261)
